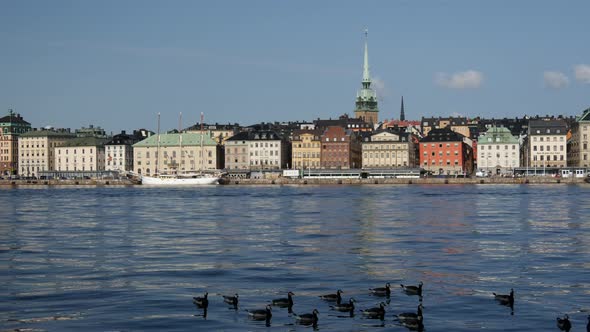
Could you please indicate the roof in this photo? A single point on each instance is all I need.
(497, 134)
(261, 135)
(442, 135)
(84, 141)
(48, 133)
(547, 127)
(14, 118)
(123, 139)
(585, 115)
(166, 140)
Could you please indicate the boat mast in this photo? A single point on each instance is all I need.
(202, 154)
(158, 148)
(178, 169)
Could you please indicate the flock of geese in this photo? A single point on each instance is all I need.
(412, 320)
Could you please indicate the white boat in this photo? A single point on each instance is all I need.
(180, 180)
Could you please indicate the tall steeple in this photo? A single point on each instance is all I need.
(402, 114)
(366, 98)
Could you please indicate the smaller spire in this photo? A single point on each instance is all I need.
(402, 115)
(366, 76)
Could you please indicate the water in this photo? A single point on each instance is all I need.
(130, 259)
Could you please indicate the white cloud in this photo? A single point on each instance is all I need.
(555, 79)
(379, 85)
(470, 79)
(582, 73)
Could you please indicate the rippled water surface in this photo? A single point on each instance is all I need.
(114, 259)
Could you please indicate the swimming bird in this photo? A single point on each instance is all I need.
(333, 297)
(307, 319)
(378, 312)
(414, 325)
(588, 325)
(201, 302)
(413, 290)
(344, 307)
(382, 291)
(233, 300)
(411, 317)
(564, 323)
(507, 300)
(261, 314)
(284, 302)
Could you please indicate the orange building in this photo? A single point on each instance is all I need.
(444, 151)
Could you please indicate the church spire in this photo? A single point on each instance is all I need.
(366, 98)
(402, 115)
(366, 75)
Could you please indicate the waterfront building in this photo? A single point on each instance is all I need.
(80, 154)
(341, 148)
(366, 99)
(459, 125)
(37, 150)
(388, 148)
(306, 149)
(498, 151)
(119, 151)
(174, 153)
(444, 151)
(11, 127)
(546, 144)
(578, 151)
(257, 150)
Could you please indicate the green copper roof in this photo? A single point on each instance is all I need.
(85, 141)
(497, 135)
(585, 115)
(47, 133)
(366, 98)
(188, 139)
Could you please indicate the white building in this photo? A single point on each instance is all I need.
(119, 152)
(175, 153)
(498, 152)
(37, 150)
(256, 150)
(388, 149)
(81, 154)
(546, 146)
(578, 148)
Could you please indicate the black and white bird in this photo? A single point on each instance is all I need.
(260, 314)
(333, 297)
(344, 307)
(381, 291)
(503, 299)
(201, 302)
(564, 323)
(413, 290)
(284, 302)
(307, 319)
(411, 317)
(233, 300)
(377, 312)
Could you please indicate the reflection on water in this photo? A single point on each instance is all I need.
(132, 258)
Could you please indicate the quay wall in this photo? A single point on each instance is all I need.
(290, 181)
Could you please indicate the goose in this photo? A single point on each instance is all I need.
(377, 312)
(408, 317)
(382, 291)
(505, 299)
(413, 290)
(333, 297)
(414, 325)
(284, 302)
(261, 314)
(201, 302)
(344, 307)
(233, 300)
(564, 323)
(306, 319)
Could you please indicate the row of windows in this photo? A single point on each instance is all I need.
(440, 153)
(385, 147)
(67, 151)
(440, 145)
(308, 145)
(541, 139)
(548, 158)
(497, 155)
(441, 163)
(75, 160)
(384, 155)
(490, 147)
(306, 155)
(541, 147)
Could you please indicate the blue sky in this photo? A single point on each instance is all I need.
(116, 64)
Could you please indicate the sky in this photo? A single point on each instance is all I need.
(117, 64)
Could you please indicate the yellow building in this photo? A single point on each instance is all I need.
(388, 149)
(306, 149)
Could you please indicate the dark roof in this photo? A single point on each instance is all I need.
(85, 141)
(123, 139)
(262, 135)
(48, 133)
(442, 135)
(585, 115)
(14, 118)
(343, 121)
(551, 127)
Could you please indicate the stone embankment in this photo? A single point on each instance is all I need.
(289, 181)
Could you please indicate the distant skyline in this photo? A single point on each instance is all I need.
(116, 64)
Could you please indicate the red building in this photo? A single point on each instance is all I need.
(341, 148)
(444, 151)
